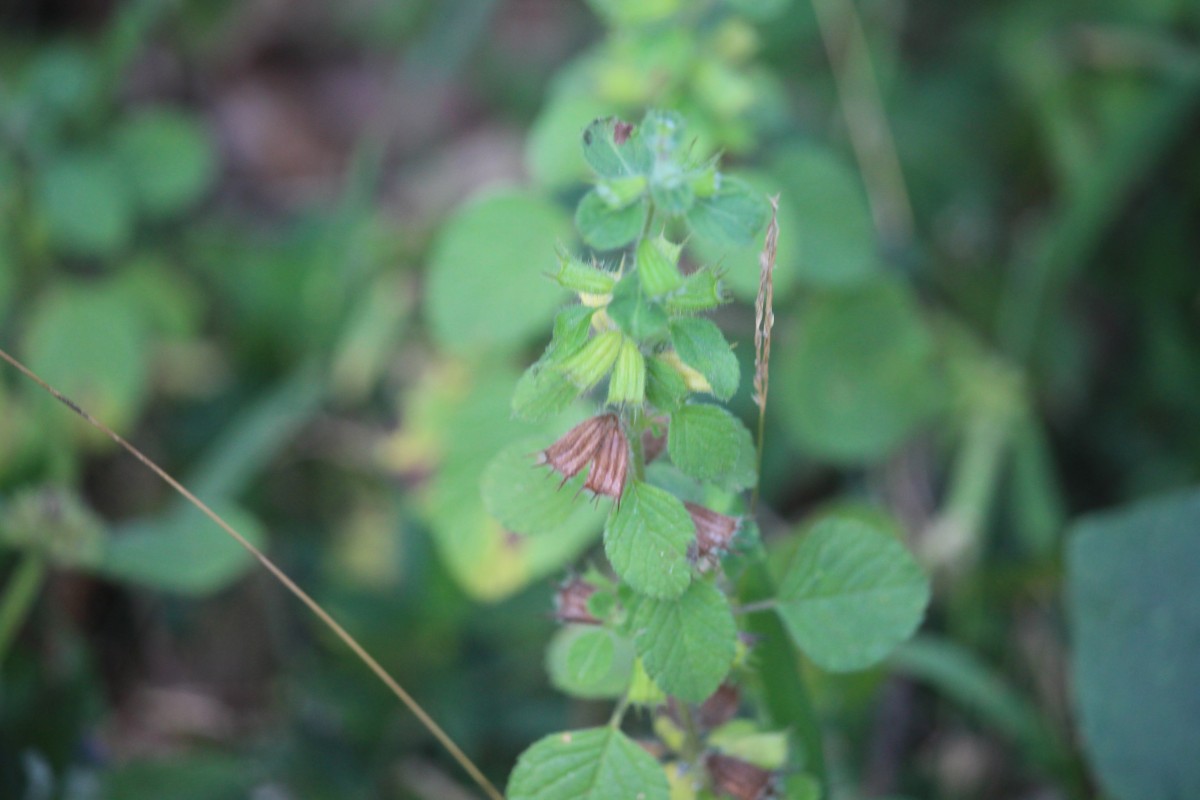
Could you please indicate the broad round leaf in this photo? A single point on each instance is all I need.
(687, 644)
(647, 540)
(589, 661)
(860, 377)
(168, 157)
(90, 343)
(850, 593)
(552, 149)
(490, 258)
(732, 216)
(527, 499)
(710, 444)
(593, 764)
(1132, 596)
(826, 198)
(85, 203)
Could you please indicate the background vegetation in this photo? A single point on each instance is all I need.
(291, 249)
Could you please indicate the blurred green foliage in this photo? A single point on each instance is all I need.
(1000, 340)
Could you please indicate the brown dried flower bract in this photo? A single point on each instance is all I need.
(598, 442)
(714, 532)
(740, 780)
(571, 602)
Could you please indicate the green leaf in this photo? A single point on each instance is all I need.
(183, 552)
(89, 341)
(739, 263)
(488, 259)
(647, 539)
(593, 764)
(861, 376)
(1135, 622)
(526, 498)
(708, 443)
(734, 215)
(168, 158)
(543, 392)
(614, 150)
(850, 593)
(672, 194)
(552, 148)
(687, 643)
(835, 229)
(607, 228)
(589, 661)
(639, 317)
(85, 203)
(665, 387)
(466, 419)
(702, 347)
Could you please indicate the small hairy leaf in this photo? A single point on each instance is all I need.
(850, 593)
(702, 347)
(687, 643)
(606, 228)
(593, 764)
(614, 150)
(733, 215)
(647, 540)
(665, 387)
(708, 443)
(542, 393)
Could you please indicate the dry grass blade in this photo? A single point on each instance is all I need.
(764, 321)
(427, 721)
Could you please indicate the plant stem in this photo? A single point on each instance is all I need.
(619, 712)
(783, 692)
(871, 138)
(758, 607)
(22, 590)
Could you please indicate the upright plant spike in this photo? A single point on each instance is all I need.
(291, 586)
(665, 636)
